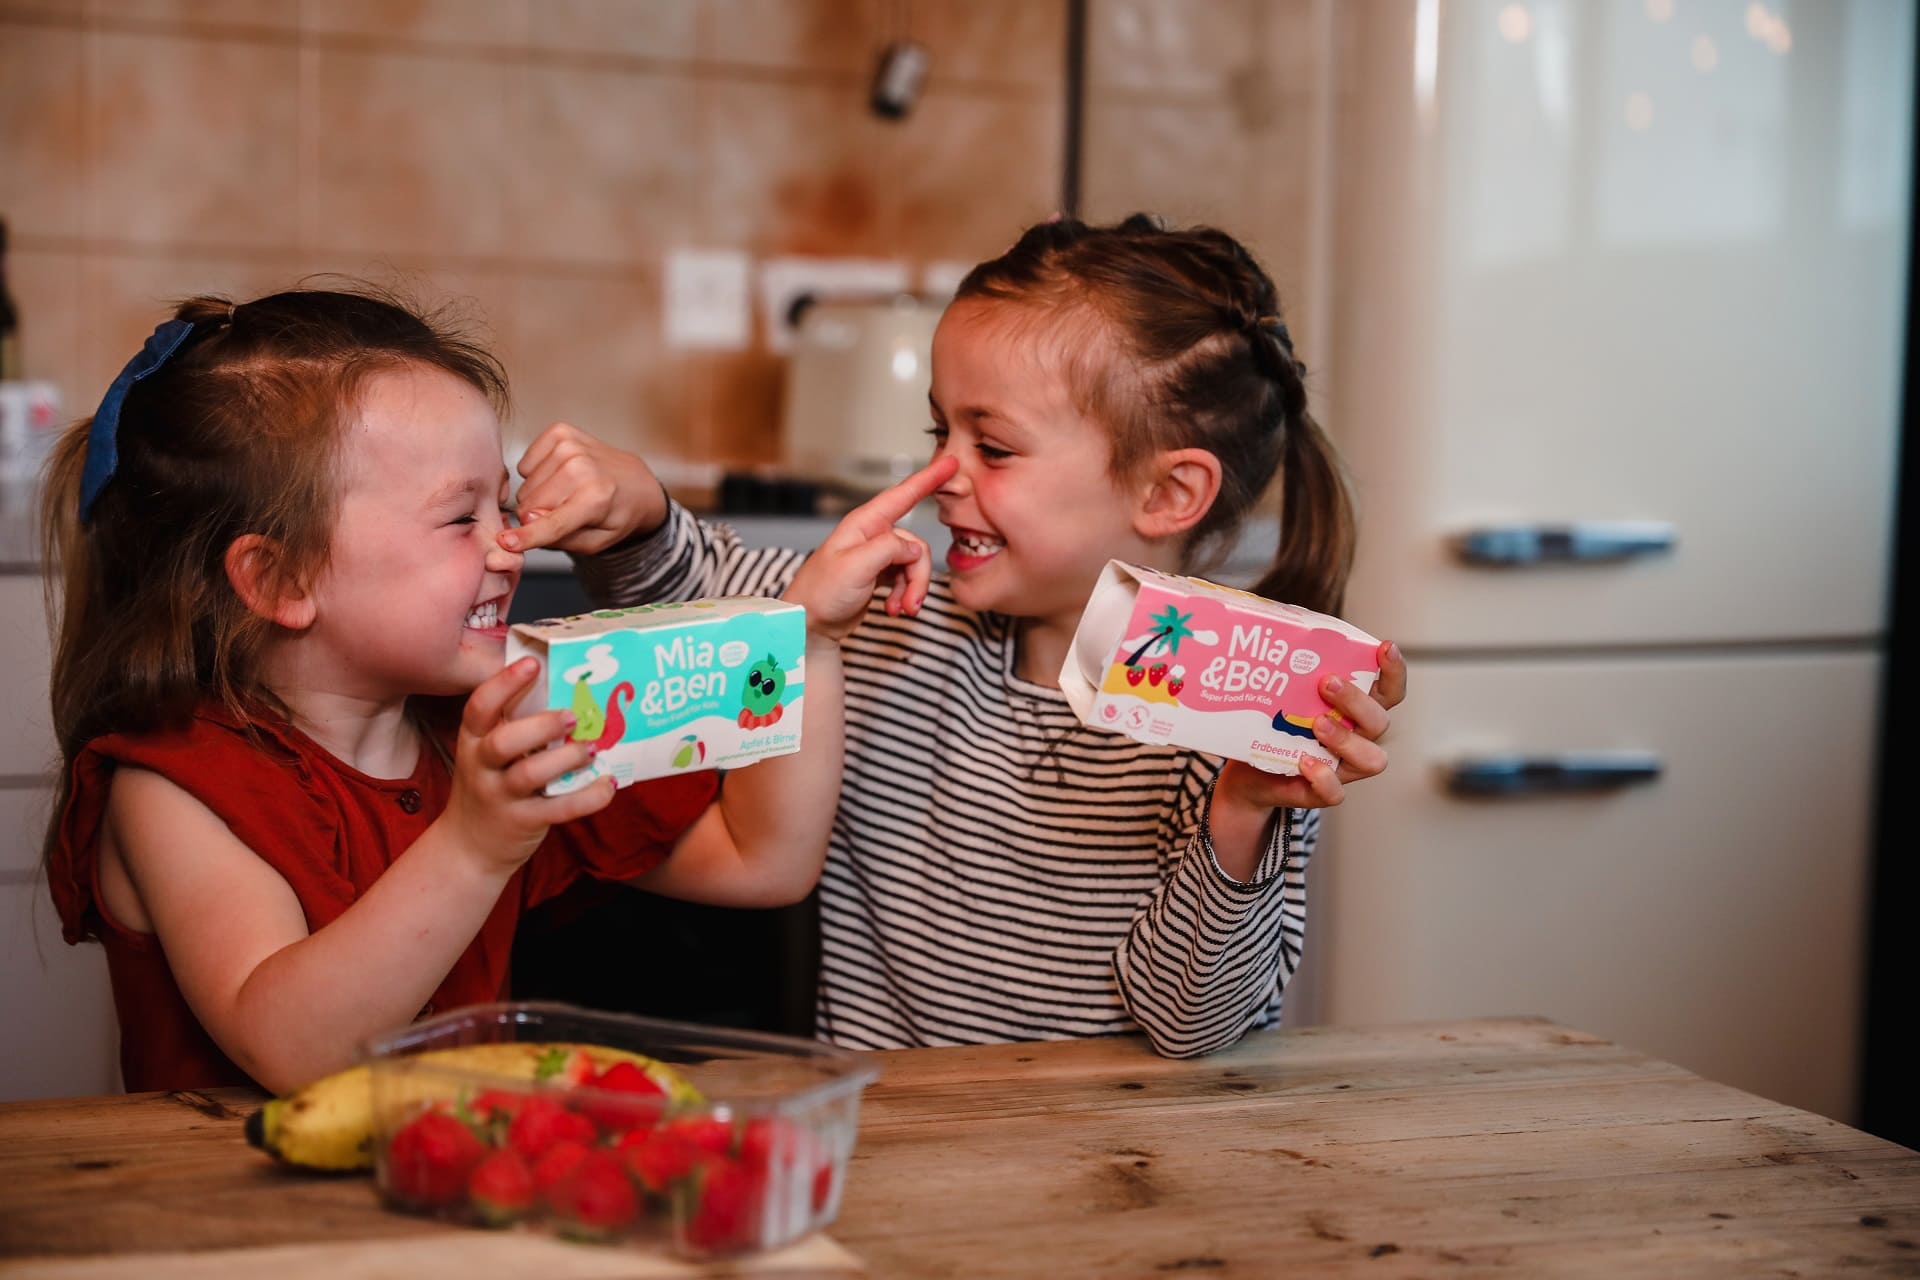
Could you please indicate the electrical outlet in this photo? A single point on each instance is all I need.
(784, 281)
(709, 299)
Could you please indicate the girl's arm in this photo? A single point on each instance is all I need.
(1211, 946)
(630, 543)
(764, 841)
(685, 559)
(1206, 952)
(288, 1005)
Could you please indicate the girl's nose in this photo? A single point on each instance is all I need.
(501, 560)
(956, 484)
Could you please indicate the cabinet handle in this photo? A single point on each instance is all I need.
(1589, 542)
(1559, 774)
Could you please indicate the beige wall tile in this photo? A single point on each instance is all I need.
(124, 296)
(1168, 46)
(275, 15)
(606, 167)
(1185, 163)
(587, 350)
(739, 408)
(1200, 164)
(42, 129)
(970, 171)
(1017, 41)
(59, 10)
(664, 29)
(46, 290)
(799, 35)
(794, 168)
(417, 156)
(194, 140)
(482, 22)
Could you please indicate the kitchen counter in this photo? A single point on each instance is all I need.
(1501, 1145)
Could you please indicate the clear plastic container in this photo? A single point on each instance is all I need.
(743, 1148)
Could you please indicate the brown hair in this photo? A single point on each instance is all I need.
(1204, 361)
(238, 433)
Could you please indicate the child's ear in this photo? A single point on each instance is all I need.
(1181, 487)
(253, 567)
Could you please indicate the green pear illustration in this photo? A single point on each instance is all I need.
(588, 719)
(765, 683)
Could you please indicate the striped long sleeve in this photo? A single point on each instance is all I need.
(997, 870)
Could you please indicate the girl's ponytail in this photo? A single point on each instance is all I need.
(1316, 523)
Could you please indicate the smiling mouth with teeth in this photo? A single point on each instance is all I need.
(976, 544)
(485, 617)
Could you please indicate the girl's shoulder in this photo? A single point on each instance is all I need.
(252, 774)
(213, 737)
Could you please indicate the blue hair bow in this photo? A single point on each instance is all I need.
(103, 437)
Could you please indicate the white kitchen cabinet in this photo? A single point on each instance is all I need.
(1713, 916)
(59, 1034)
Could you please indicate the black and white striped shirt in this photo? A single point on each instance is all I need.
(997, 870)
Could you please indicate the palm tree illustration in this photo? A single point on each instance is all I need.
(1169, 629)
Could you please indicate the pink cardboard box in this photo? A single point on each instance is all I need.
(1190, 663)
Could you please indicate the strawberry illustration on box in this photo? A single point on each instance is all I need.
(666, 688)
(1190, 663)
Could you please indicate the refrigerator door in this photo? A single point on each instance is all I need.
(1619, 316)
(1684, 870)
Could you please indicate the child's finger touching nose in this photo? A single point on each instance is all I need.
(875, 516)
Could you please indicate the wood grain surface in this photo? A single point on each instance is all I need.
(1501, 1146)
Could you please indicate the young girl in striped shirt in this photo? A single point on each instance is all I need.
(997, 870)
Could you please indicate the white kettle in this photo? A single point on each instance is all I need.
(855, 409)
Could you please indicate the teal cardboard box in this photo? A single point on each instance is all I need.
(669, 688)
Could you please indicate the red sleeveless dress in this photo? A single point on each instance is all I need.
(330, 831)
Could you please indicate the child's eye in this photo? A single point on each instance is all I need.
(993, 453)
(462, 520)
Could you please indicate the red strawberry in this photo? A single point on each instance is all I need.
(489, 1103)
(429, 1159)
(551, 1169)
(1134, 674)
(1156, 673)
(726, 1208)
(596, 1199)
(822, 1186)
(542, 1122)
(708, 1132)
(1175, 685)
(501, 1188)
(567, 1066)
(656, 1157)
(777, 1147)
(641, 1106)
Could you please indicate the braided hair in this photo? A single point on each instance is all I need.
(1191, 351)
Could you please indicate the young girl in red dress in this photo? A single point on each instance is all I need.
(278, 574)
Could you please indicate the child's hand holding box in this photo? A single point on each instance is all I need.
(1193, 664)
(668, 688)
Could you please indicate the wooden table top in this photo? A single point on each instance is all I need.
(1511, 1145)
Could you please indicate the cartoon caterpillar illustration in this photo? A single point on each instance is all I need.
(760, 701)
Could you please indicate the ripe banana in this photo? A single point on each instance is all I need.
(328, 1125)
